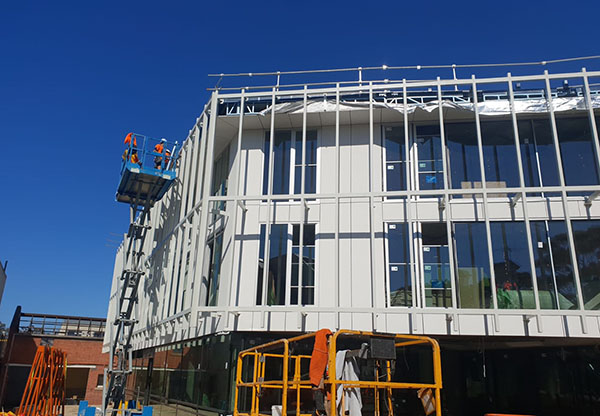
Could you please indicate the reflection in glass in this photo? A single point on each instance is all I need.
(587, 246)
(399, 270)
(395, 157)
(430, 165)
(304, 287)
(281, 162)
(214, 274)
(310, 167)
(553, 269)
(472, 265)
(436, 265)
(538, 153)
(499, 154)
(461, 141)
(512, 269)
(277, 264)
(577, 151)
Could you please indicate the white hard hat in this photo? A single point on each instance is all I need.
(163, 140)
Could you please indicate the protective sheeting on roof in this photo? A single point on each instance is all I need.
(486, 108)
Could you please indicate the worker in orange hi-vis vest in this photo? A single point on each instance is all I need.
(128, 139)
(159, 148)
(134, 155)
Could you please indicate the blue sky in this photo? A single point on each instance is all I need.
(75, 77)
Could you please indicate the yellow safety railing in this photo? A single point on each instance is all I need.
(255, 362)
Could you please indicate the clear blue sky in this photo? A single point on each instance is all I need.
(75, 77)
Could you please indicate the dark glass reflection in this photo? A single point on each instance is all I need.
(538, 153)
(577, 151)
(512, 269)
(281, 162)
(587, 246)
(277, 264)
(216, 248)
(310, 166)
(553, 269)
(306, 285)
(472, 265)
(430, 164)
(399, 271)
(461, 141)
(499, 154)
(395, 157)
(436, 265)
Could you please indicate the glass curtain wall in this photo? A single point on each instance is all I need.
(472, 265)
(587, 247)
(400, 278)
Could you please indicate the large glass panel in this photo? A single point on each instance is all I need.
(577, 151)
(472, 265)
(499, 154)
(216, 248)
(512, 269)
(261, 264)
(302, 290)
(538, 153)
(310, 167)
(395, 157)
(587, 246)
(281, 162)
(461, 141)
(430, 165)
(399, 270)
(436, 265)
(553, 265)
(277, 264)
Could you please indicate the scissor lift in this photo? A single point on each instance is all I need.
(273, 379)
(145, 177)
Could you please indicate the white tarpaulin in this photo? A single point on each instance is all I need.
(486, 108)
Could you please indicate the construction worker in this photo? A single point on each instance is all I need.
(160, 148)
(134, 155)
(128, 139)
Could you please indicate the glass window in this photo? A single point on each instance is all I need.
(577, 151)
(310, 167)
(299, 274)
(587, 246)
(281, 162)
(461, 141)
(512, 269)
(499, 154)
(538, 153)
(302, 290)
(430, 165)
(472, 265)
(395, 157)
(399, 260)
(214, 274)
(553, 268)
(436, 265)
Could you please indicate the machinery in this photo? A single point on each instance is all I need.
(380, 374)
(147, 172)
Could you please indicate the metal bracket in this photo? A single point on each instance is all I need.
(588, 200)
(515, 199)
(442, 203)
(242, 205)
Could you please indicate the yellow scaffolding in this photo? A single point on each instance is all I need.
(292, 383)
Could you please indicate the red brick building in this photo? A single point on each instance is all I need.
(79, 337)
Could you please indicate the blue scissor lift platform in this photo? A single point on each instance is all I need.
(145, 173)
(148, 170)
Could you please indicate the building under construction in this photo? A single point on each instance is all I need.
(466, 209)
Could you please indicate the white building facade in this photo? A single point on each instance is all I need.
(450, 208)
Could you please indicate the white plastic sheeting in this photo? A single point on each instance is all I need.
(486, 108)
